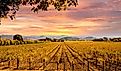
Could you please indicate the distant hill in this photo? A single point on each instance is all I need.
(89, 38)
(6, 36)
(63, 37)
(25, 37)
(70, 38)
(32, 37)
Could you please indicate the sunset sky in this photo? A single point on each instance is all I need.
(91, 17)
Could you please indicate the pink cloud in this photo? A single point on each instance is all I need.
(89, 17)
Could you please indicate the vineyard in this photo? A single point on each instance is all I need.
(16, 42)
(62, 56)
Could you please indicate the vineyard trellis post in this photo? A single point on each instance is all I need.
(109, 64)
(96, 62)
(116, 66)
(43, 64)
(72, 66)
(57, 65)
(0, 21)
(9, 64)
(116, 61)
(83, 64)
(88, 65)
(17, 60)
(30, 63)
(64, 65)
(103, 65)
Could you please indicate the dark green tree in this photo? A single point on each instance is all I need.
(105, 38)
(18, 37)
(12, 6)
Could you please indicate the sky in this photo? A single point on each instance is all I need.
(89, 18)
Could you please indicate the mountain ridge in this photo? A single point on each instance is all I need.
(63, 37)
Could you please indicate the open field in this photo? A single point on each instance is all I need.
(62, 56)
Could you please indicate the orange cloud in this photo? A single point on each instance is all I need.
(91, 17)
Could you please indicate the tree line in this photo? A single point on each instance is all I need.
(17, 40)
(108, 39)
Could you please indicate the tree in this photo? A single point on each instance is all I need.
(18, 37)
(0, 37)
(105, 38)
(99, 39)
(7, 6)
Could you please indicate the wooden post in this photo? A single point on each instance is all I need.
(109, 64)
(17, 61)
(116, 65)
(72, 65)
(83, 65)
(9, 63)
(88, 66)
(115, 68)
(57, 65)
(64, 68)
(96, 62)
(29, 63)
(116, 62)
(0, 21)
(43, 64)
(103, 66)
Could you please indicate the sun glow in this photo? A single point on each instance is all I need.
(87, 23)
